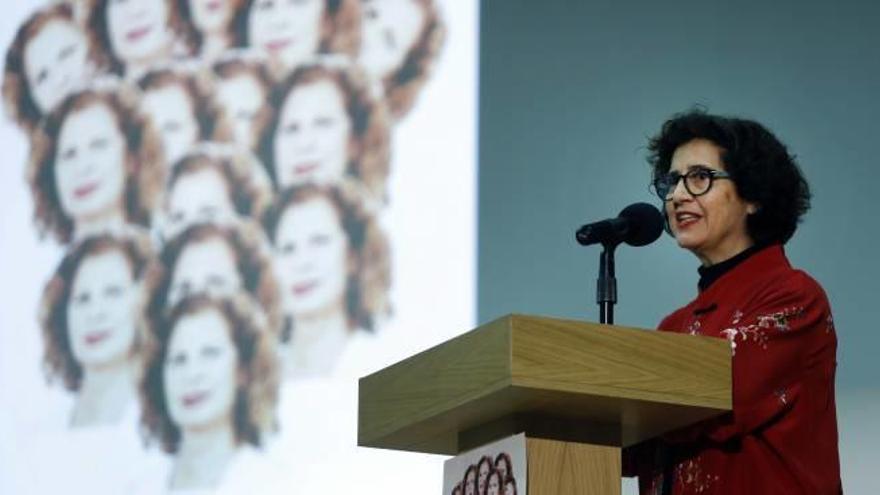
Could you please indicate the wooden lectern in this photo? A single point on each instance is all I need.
(580, 392)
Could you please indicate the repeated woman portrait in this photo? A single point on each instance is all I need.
(215, 172)
(489, 476)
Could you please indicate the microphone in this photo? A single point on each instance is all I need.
(638, 224)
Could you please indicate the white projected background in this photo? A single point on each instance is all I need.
(430, 222)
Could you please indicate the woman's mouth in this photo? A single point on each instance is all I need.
(193, 399)
(214, 6)
(278, 45)
(305, 168)
(304, 288)
(97, 337)
(138, 34)
(86, 189)
(685, 219)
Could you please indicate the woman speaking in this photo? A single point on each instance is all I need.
(733, 196)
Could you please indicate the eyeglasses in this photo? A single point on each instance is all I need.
(697, 182)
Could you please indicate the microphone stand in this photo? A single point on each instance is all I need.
(606, 285)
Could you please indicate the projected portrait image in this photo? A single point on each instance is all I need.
(498, 468)
(211, 23)
(216, 260)
(183, 109)
(213, 184)
(96, 166)
(400, 40)
(294, 32)
(326, 127)
(243, 83)
(90, 318)
(49, 57)
(333, 264)
(138, 34)
(210, 379)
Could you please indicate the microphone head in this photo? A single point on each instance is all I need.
(645, 224)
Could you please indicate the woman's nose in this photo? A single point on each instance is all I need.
(680, 192)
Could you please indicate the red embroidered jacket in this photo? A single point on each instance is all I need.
(781, 437)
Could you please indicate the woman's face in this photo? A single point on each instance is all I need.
(712, 226)
(389, 29)
(198, 197)
(242, 97)
(482, 475)
(211, 16)
(173, 114)
(312, 137)
(493, 487)
(312, 258)
(138, 29)
(289, 30)
(469, 485)
(501, 467)
(204, 267)
(200, 371)
(55, 61)
(509, 489)
(90, 160)
(101, 312)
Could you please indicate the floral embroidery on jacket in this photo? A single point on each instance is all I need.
(782, 395)
(757, 332)
(690, 474)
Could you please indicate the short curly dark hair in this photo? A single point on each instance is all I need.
(762, 169)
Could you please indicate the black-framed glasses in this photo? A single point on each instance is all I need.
(697, 182)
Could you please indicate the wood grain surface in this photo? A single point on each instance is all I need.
(599, 384)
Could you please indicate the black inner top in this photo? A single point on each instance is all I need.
(709, 274)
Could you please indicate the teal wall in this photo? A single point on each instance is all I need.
(569, 92)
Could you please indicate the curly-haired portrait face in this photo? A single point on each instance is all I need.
(212, 186)
(484, 468)
(90, 164)
(90, 315)
(206, 266)
(211, 369)
(243, 91)
(183, 109)
(202, 196)
(327, 126)
(173, 115)
(212, 22)
(95, 165)
(216, 260)
(312, 139)
(470, 480)
(400, 41)
(289, 31)
(493, 483)
(389, 30)
(504, 465)
(200, 370)
(138, 32)
(49, 57)
(312, 257)
(102, 309)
